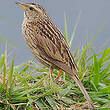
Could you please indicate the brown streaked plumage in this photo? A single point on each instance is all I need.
(48, 44)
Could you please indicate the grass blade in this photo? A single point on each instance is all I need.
(66, 34)
(4, 68)
(74, 30)
(51, 102)
(96, 35)
(96, 70)
(10, 81)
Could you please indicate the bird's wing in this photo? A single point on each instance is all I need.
(52, 44)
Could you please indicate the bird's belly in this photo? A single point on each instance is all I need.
(33, 47)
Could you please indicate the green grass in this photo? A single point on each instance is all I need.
(22, 89)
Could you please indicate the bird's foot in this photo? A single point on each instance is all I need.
(59, 81)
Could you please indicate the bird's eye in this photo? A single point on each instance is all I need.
(31, 8)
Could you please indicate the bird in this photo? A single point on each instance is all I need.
(48, 44)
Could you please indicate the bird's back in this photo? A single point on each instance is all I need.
(47, 42)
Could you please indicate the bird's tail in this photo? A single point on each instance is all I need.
(75, 77)
(87, 97)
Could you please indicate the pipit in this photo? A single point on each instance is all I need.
(48, 44)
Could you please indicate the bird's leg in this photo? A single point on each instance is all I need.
(64, 76)
(59, 74)
(50, 72)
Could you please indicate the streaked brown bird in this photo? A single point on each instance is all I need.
(48, 44)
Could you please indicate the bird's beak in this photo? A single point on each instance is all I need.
(21, 5)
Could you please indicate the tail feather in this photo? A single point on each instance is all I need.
(76, 79)
(87, 97)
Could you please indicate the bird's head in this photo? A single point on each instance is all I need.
(32, 10)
